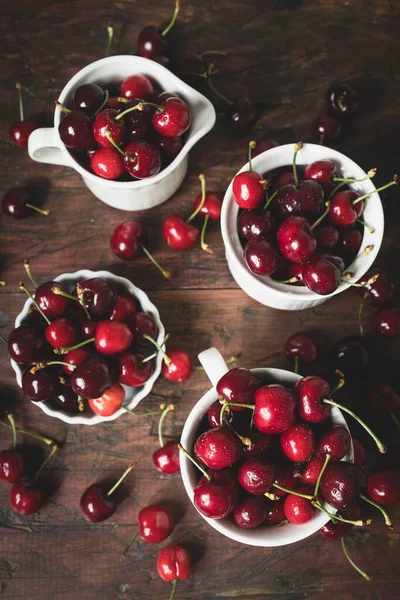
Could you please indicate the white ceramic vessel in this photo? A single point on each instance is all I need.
(45, 145)
(265, 537)
(133, 395)
(286, 296)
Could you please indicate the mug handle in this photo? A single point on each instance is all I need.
(43, 146)
(214, 364)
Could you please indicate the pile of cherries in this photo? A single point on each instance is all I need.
(131, 130)
(341, 103)
(301, 230)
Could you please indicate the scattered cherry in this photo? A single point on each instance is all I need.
(342, 100)
(326, 128)
(180, 367)
(20, 131)
(383, 486)
(386, 321)
(16, 204)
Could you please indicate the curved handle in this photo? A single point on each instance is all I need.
(214, 364)
(43, 146)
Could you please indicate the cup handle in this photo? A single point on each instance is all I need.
(214, 364)
(43, 146)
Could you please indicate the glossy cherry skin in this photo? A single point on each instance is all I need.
(301, 345)
(216, 498)
(86, 328)
(275, 513)
(386, 321)
(138, 122)
(112, 337)
(342, 100)
(214, 414)
(24, 499)
(66, 399)
(259, 445)
(247, 189)
(124, 306)
(321, 275)
(341, 484)
(180, 236)
(38, 386)
(326, 128)
(311, 471)
(166, 459)
(98, 295)
(151, 43)
(306, 198)
(61, 333)
(322, 171)
(75, 131)
(295, 239)
(137, 86)
(343, 212)
(260, 257)
(53, 305)
(310, 392)
(20, 132)
(359, 451)
(174, 119)
(298, 442)
(335, 442)
(95, 505)
(299, 510)
(295, 270)
(11, 466)
(380, 291)
(239, 386)
(285, 478)
(169, 147)
(126, 238)
(155, 523)
(25, 344)
(132, 370)
(180, 367)
(91, 378)
(350, 355)
(350, 240)
(173, 563)
(75, 357)
(88, 98)
(335, 531)
(383, 486)
(254, 224)
(251, 511)
(142, 324)
(275, 409)
(107, 163)
(105, 122)
(218, 448)
(263, 145)
(211, 207)
(109, 402)
(14, 203)
(256, 476)
(327, 237)
(242, 114)
(147, 159)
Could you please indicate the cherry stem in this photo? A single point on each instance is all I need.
(165, 273)
(280, 487)
(36, 436)
(384, 187)
(290, 280)
(370, 229)
(131, 412)
(217, 93)
(27, 266)
(340, 383)
(115, 145)
(360, 314)
(23, 288)
(42, 211)
(104, 103)
(3, 339)
(174, 17)
(203, 245)
(3, 282)
(297, 147)
(59, 292)
(196, 464)
(10, 417)
(358, 523)
(388, 521)
(21, 104)
(63, 108)
(370, 281)
(81, 297)
(269, 200)
(139, 106)
(165, 340)
(246, 441)
(203, 198)
(371, 173)
(351, 561)
(327, 459)
(130, 543)
(322, 217)
(161, 421)
(215, 52)
(57, 362)
(110, 32)
(65, 350)
(174, 584)
(226, 405)
(377, 441)
(167, 360)
(296, 365)
(367, 250)
(120, 480)
(46, 460)
(251, 147)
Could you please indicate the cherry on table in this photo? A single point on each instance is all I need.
(131, 369)
(342, 99)
(242, 113)
(178, 234)
(302, 347)
(322, 171)
(298, 442)
(299, 510)
(12, 465)
(335, 442)
(174, 563)
(25, 344)
(38, 385)
(350, 355)
(98, 296)
(109, 402)
(107, 163)
(61, 333)
(380, 291)
(321, 275)
(91, 378)
(156, 523)
(105, 126)
(386, 322)
(218, 448)
(251, 511)
(88, 98)
(383, 486)
(25, 499)
(275, 409)
(16, 204)
(216, 493)
(295, 239)
(254, 224)
(20, 131)
(211, 207)
(152, 40)
(326, 128)
(256, 475)
(76, 131)
(341, 484)
(180, 367)
(166, 458)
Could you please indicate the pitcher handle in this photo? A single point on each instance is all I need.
(44, 147)
(214, 364)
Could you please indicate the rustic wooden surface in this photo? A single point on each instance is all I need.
(284, 53)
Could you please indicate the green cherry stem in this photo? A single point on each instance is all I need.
(360, 314)
(174, 584)
(203, 198)
(297, 147)
(167, 360)
(246, 441)
(63, 108)
(42, 211)
(165, 340)
(296, 365)
(367, 250)
(36, 436)
(196, 464)
(27, 266)
(351, 561)
(370, 229)
(371, 173)
(3, 339)
(115, 145)
(47, 459)
(164, 413)
(110, 33)
(55, 362)
(59, 292)
(10, 417)
(358, 523)
(283, 489)
(103, 105)
(394, 181)
(65, 350)
(214, 52)
(322, 217)
(217, 93)
(164, 273)
(120, 480)
(388, 521)
(174, 17)
(327, 459)
(226, 405)
(23, 288)
(130, 543)
(203, 245)
(20, 101)
(269, 200)
(251, 147)
(139, 106)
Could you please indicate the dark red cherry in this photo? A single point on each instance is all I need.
(335, 531)
(259, 445)
(75, 357)
(350, 355)
(381, 291)
(66, 399)
(91, 378)
(21, 130)
(322, 171)
(298, 442)
(25, 499)
(138, 122)
(253, 224)
(256, 476)
(299, 510)
(341, 484)
(107, 163)
(86, 328)
(178, 234)
(295, 239)
(98, 296)
(342, 100)
(88, 98)
(137, 86)
(327, 237)
(174, 119)
(275, 514)
(132, 370)
(25, 344)
(350, 240)
(53, 305)
(211, 207)
(335, 442)
(275, 409)
(301, 345)
(359, 451)
(386, 321)
(214, 414)
(326, 128)
(155, 523)
(166, 459)
(142, 159)
(180, 367)
(343, 212)
(216, 498)
(38, 386)
(16, 204)
(383, 486)
(151, 43)
(169, 147)
(239, 386)
(61, 333)
(218, 448)
(248, 189)
(112, 337)
(260, 257)
(311, 471)
(251, 511)
(284, 478)
(310, 392)
(242, 114)
(263, 145)
(285, 178)
(11, 466)
(142, 324)
(124, 306)
(75, 131)
(105, 124)
(321, 275)
(306, 198)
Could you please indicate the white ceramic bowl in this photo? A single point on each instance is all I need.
(286, 296)
(45, 145)
(133, 395)
(266, 536)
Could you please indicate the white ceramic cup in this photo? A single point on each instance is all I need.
(267, 536)
(286, 296)
(45, 145)
(133, 395)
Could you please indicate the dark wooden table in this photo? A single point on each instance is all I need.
(284, 53)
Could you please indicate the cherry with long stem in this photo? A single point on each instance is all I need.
(316, 490)
(388, 521)
(79, 298)
(35, 436)
(204, 246)
(10, 417)
(164, 413)
(151, 356)
(196, 464)
(66, 350)
(23, 288)
(167, 360)
(371, 173)
(173, 20)
(120, 480)
(351, 561)
(46, 460)
(322, 217)
(226, 405)
(27, 266)
(395, 181)
(358, 523)
(298, 146)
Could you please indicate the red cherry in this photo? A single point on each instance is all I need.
(276, 514)
(126, 238)
(142, 324)
(238, 386)
(174, 119)
(25, 344)
(381, 291)
(180, 236)
(112, 337)
(312, 470)
(216, 497)
(251, 511)
(359, 451)
(151, 43)
(305, 198)
(386, 321)
(20, 131)
(105, 124)
(180, 367)
(350, 241)
(107, 163)
(284, 478)
(321, 275)
(142, 159)
(327, 237)
(326, 128)
(123, 307)
(132, 370)
(295, 239)
(335, 442)
(342, 100)
(212, 205)
(109, 402)
(137, 86)
(76, 131)
(75, 357)
(11, 466)
(310, 392)
(166, 459)
(61, 333)
(341, 484)
(248, 189)
(156, 523)
(16, 204)
(298, 442)
(256, 476)
(254, 224)
(24, 499)
(91, 378)
(53, 305)
(343, 212)
(259, 444)
(337, 530)
(218, 448)
(275, 409)
(169, 147)
(299, 510)
(383, 486)
(260, 257)
(322, 171)
(242, 114)
(302, 346)
(174, 563)
(286, 178)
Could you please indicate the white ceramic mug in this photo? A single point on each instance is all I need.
(267, 536)
(286, 296)
(45, 145)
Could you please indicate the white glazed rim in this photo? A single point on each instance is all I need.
(142, 391)
(260, 536)
(282, 156)
(151, 69)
